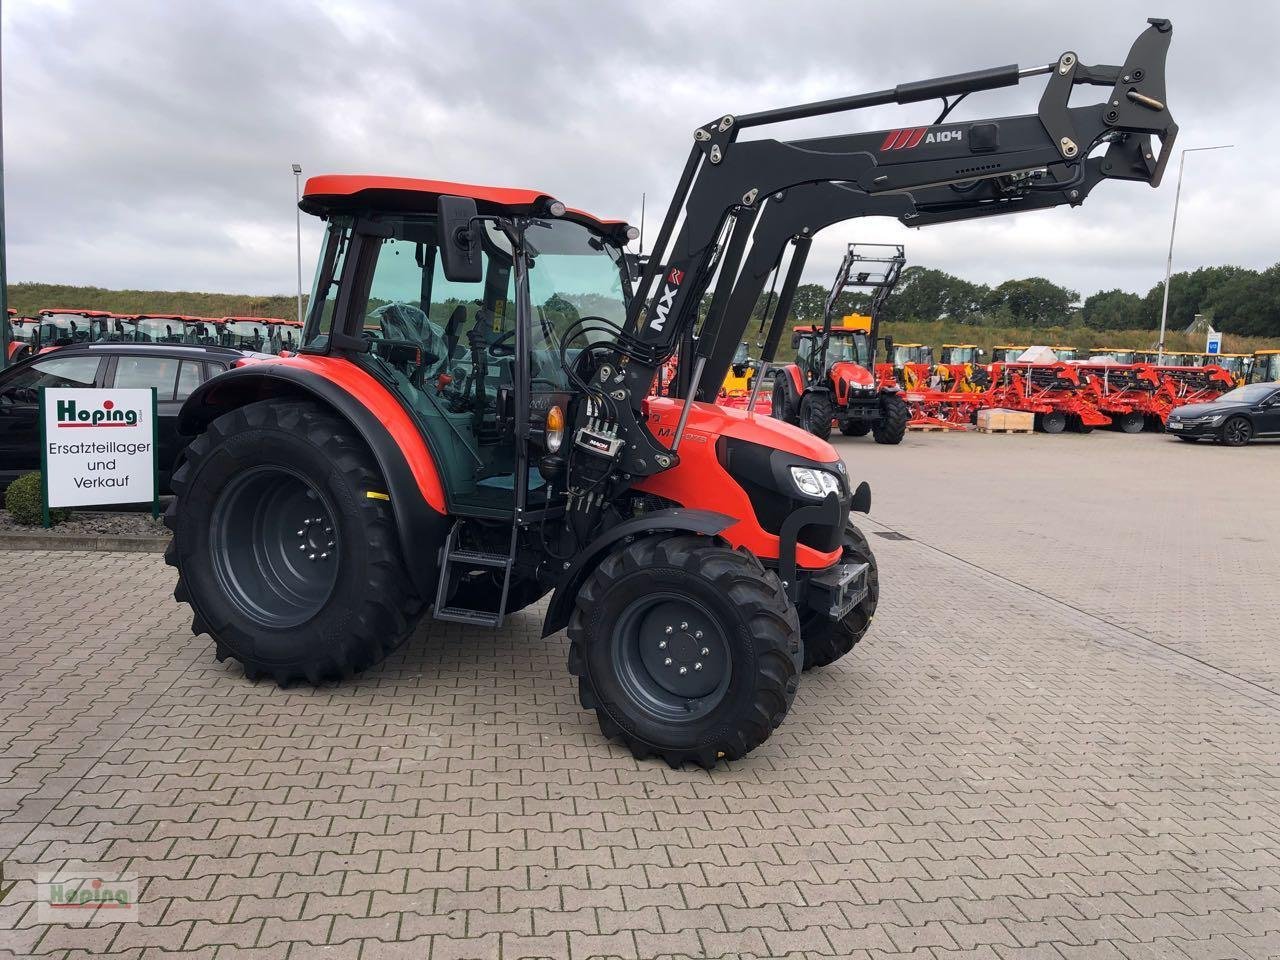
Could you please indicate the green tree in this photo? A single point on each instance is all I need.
(1032, 302)
(1248, 303)
(927, 294)
(1190, 292)
(1114, 310)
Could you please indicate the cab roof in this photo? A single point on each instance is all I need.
(77, 311)
(336, 193)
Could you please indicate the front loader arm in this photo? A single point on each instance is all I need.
(725, 179)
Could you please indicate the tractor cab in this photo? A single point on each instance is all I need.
(161, 327)
(24, 336)
(1266, 366)
(61, 328)
(454, 347)
(1117, 355)
(1065, 354)
(916, 354)
(1236, 364)
(1005, 353)
(953, 353)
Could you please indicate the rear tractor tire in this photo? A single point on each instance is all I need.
(816, 413)
(826, 641)
(894, 416)
(685, 649)
(282, 555)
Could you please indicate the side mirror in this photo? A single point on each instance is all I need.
(982, 353)
(795, 341)
(888, 347)
(460, 240)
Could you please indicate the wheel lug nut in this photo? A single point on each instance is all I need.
(666, 662)
(302, 546)
(683, 671)
(311, 556)
(697, 666)
(670, 630)
(697, 634)
(324, 556)
(684, 626)
(705, 651)
(302, 532)
(662, 644)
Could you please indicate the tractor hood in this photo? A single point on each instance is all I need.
(851, 373)
(708, 422)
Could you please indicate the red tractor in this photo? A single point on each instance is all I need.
(467, 426)
(835, 377)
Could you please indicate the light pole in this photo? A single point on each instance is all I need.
(297, 213)
(1168, 265)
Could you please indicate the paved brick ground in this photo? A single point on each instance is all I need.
(1061, 741)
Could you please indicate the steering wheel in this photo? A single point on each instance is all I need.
(502, 346)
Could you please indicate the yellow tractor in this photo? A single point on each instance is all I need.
(1266, 366)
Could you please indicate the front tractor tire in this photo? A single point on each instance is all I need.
(282, 554)
(685, 649)
(826, 641)
(894, 416)
(816, 413)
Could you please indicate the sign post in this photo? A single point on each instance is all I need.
(98, 447)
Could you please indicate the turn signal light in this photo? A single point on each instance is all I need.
(555, 429)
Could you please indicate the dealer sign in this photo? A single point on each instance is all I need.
(98, 446)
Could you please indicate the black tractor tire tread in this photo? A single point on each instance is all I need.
(774, 628)
(782, 398)
(816, 413)
(391, 605)
(855, 428)
(892, 425)
(826, 641)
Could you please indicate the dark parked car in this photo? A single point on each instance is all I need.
(174, 370)
(1235, 418)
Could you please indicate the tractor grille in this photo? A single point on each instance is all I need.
(765, 476)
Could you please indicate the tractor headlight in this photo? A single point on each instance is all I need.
(814, 483)
(554, 429)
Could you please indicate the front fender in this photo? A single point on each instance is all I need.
(704, 522)
(413, 484)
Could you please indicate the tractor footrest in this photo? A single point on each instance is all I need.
(478, 558)
(479, 618)
(837, 591)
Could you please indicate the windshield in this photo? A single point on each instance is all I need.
(573, 274)
(851, 349)
(64, 326)
(740, 356)
(159, 330)
(1253, 393)
(244, 335)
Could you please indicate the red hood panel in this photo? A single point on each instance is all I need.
(851, 373)
(707, 422)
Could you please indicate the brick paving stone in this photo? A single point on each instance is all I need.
(1041, 750)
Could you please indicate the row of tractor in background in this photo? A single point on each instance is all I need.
(55, 327)
(838, 378)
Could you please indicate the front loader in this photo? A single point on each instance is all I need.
(468, 426)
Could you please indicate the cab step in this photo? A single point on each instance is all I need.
(455, 561)
(479, 618)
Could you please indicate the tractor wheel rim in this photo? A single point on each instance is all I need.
(275, 546)
(671, 657)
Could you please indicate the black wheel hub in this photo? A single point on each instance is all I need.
(671, 656)
(275, 546)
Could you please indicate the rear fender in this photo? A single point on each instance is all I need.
(413, 485)
(704, 522)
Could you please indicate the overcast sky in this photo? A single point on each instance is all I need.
(148, 144)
